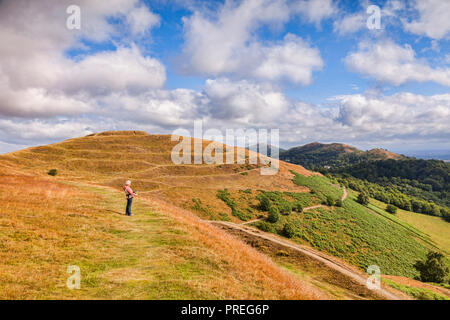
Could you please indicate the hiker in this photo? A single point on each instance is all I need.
(130, 195)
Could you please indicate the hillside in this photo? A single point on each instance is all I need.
(110, 158)
(424, 179)
(171, 249)
(316, 155)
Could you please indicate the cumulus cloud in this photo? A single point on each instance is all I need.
(315, 10)
(141, 19)
(104, 72)
(350, 23)
(162, 108)
(37, 78)
(389, 62)
(224, 45)
(359, 118)
(245, 102)
(220, 101)
(399, 115)
(369, 119)
(38, 130)
(38, 102)
(433, 19)
(292, 59)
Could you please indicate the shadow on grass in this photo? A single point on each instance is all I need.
(116, 212)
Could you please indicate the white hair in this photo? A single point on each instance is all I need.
(127, 183)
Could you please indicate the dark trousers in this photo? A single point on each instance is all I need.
(129, 203)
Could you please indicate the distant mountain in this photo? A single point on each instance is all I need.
(319, 155)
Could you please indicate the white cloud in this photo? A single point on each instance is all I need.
(399, 115)
(315, 10)
(350, 23)
(220, 101)
(37, 79)
(37, 131)
(214, 43)
(161, 108)
(386, 61)
(293, 59)
(141, 19)
(433, 20)
(103, 72)
(359, 118)
(225, 45)
(37, 102)
(243, 101)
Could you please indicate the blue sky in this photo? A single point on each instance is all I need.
(334, 79)
(311, 68)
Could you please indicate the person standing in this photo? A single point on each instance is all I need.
(130, 195)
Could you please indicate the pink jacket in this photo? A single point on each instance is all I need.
(128, 192)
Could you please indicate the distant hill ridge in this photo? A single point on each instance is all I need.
(315, 155)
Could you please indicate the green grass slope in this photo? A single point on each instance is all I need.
(355, 233)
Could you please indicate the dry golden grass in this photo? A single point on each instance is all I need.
(250, 264)
(161, 253)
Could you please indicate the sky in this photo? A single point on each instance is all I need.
(317, 70)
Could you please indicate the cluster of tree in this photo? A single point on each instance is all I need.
(275, 204)
(423, 179)
(391, 195)
(433, 269)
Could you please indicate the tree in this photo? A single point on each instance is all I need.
(330, 201)
(298, 206)
(339, 203)
(391, 209)
(445, 213)
(264, 203)
(433, 269)
(52, 172)
(274, 214)
(285, 207)
(363, 198)
(289, 229)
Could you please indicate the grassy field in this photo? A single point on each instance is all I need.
(46, 225)
(435, 228)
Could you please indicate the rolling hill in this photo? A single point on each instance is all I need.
(194, 233)
(315, 155)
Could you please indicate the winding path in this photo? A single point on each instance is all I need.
(334, 264)
(338, 266)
